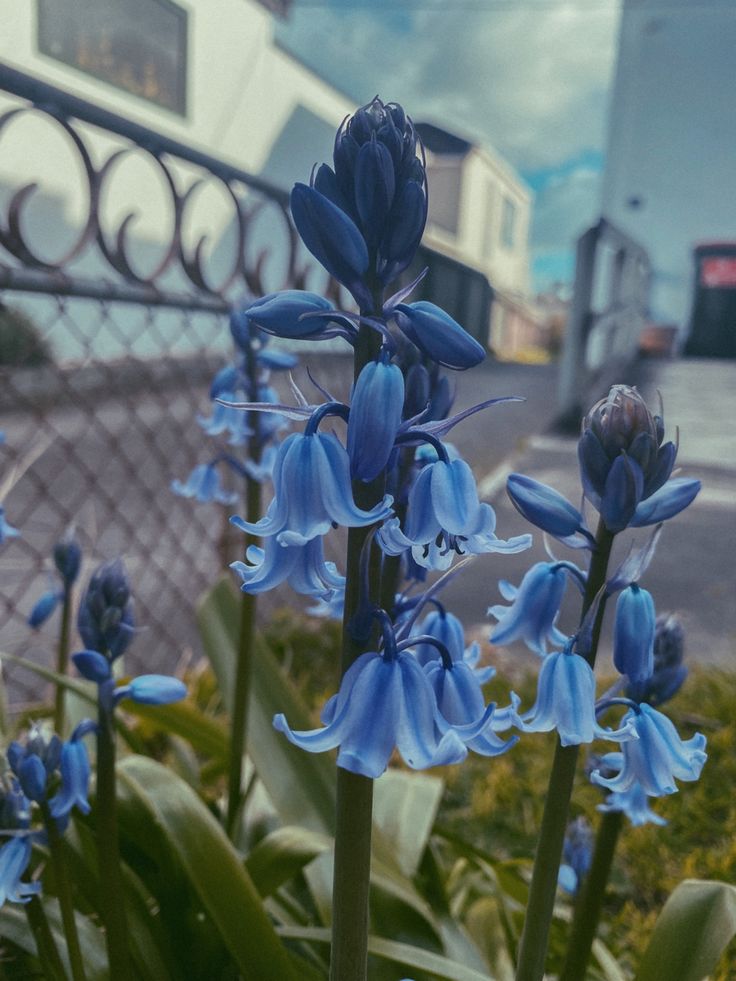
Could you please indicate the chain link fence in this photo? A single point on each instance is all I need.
(105, 364)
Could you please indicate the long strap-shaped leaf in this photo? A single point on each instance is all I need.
(214, 868)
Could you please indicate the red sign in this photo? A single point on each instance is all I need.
(718, 272)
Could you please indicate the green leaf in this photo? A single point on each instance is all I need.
(404, 808)
(695, 925)
(213, 867)
(205, 734)
(281, 855)
(397, 953)
(14, 927)
(301, 785)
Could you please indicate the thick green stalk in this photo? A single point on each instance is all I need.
(247, 631)
(535, 935)
(48, 953)
(354, 811)
(64, 893)
(62, 660)
(589, 902)
(112, 907)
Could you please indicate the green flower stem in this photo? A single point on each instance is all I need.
(112, 907)
(48, 953)
(354, 812)
(246, 634)
(589, 902)
(535, 935)
(64, 893)
(62, 660)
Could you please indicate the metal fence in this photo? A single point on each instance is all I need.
(109, 335)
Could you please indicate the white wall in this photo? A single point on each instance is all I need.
(672, 139)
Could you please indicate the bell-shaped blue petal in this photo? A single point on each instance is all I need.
(445, 518)
(448, 630)
(438, 336)
(154, 689)
(32, 777)
(203, 484)
(384, 703)
(657, 758)
(281, 313)
(75, 773)
(534, 610)
(375, 417)
(302, 566)
(633, 802)
(332, 237)
(93, 666)
(665, 503)
(566, 702)
(633, 633)
(312, 486)
(43, 608)
(227, 419)
(543, 506)
(14, 858)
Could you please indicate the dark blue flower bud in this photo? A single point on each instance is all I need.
(93, 666)
(404, 230)
(375, 185)
(333, 238)
(633, 634)
(105, 619)
(543, 506)
(416, 395)
(43, 608)
(624, 466)
(577, 855)
(375, 417)
(67, 559)
(32, 778)
(438, 336)
(14, 805)
(669, 671)
(280, 313)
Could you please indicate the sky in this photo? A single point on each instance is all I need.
(529, 77)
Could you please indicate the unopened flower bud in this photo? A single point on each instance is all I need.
(105, 620)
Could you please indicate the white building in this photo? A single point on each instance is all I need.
(480, 214)
(669, 179)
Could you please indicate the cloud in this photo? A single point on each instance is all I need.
(533, 80)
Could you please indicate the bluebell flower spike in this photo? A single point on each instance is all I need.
(534, 609)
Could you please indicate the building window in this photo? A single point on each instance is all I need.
(139, 46)
(508, 224)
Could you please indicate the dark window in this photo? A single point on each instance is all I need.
(139, 46)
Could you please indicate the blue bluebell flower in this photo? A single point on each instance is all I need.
(547, 509)
(284, 313)
(311, 477)
(656, 759)
(385, 702)
(669, 671)
(105, 618)
(577, 855)
(302, 566)
(534, 609)
(375, 416)
(262, 470)
(624, 463)
(75, 773)
(34, 760)
(449, 631)
(228, 419)
(204, 485)
(634, 803)
(437, 335)
(461, 703)
(15, 856)
(633, 634)
(6, 530)
(444, 518)
(566, 702)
